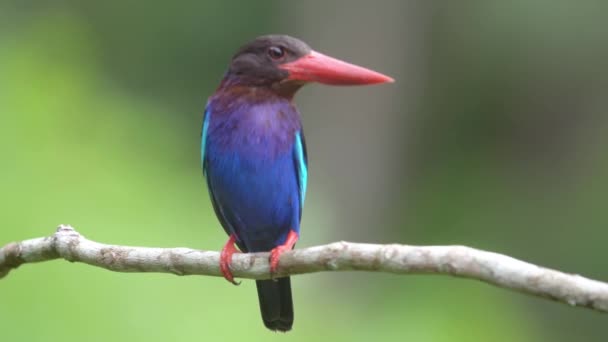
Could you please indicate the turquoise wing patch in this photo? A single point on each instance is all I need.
(301, 161)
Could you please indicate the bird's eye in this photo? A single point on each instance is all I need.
(276, 52)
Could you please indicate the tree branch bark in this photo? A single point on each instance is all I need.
(460, 261)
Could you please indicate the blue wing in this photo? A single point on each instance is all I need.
(216, 207)
(301, 163)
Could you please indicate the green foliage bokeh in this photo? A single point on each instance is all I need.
(102, 135)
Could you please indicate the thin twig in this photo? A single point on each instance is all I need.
(460, 261)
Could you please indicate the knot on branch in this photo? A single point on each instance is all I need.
(65, 242)
(10, 258)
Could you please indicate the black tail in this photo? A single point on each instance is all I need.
(275, 303)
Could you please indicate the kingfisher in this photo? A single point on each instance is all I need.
(254, 159)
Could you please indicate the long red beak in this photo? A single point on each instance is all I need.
(317, 67)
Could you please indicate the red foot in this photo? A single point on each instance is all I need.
(226, 259)
(276, 252)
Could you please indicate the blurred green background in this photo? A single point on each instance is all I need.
(493, 136)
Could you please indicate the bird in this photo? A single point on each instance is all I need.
(254, 158)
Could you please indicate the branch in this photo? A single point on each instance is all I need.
(460, 261)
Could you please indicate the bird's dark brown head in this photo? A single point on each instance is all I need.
(284, 63)
(258, 62)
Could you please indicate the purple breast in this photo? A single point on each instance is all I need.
(259, 127)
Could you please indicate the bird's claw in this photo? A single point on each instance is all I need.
(226, 259)
(225, 269)
(275, 253)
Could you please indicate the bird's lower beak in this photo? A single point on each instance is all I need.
(317, 67)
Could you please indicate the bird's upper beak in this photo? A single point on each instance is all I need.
(317, 67)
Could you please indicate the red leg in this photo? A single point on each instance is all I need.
(226, 259)
(276, 252)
